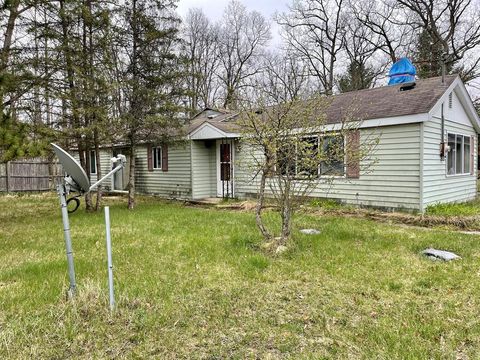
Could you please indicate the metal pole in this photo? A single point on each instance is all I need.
(68, 240)
(109, 257)
(116, 169)
(444, 65)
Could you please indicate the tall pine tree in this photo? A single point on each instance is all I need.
(428, 56)
(358, 76)
(149, 76)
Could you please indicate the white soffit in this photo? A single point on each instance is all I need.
(374, 123)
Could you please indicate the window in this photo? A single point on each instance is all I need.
(286, 159)
(307, 164)
(313, 156)
(93, 162)
(458, 156)
(333, 154)
(157, 157)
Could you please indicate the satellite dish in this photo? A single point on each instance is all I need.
(72, 168)
(77, 181)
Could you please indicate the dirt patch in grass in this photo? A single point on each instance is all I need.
(457, 222)
(465, 223)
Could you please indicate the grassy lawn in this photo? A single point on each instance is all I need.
(193, 283)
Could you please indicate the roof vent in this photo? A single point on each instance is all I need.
(212, 116)
(407, 86)
(403, 71)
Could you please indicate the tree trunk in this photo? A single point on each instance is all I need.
(258, 209)
(99, 171)
(286, 215)
(229, 102)
(88, 196)
(46, 70)
(83, 146)
(7, 43)
(286, 222)
(131, 179)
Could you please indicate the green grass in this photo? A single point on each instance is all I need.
(193, 283)
(327, 204)
(471, 208)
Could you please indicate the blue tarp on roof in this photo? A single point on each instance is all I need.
(403, 71)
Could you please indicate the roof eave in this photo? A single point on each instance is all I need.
(208, 131)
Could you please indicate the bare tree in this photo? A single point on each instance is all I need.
(384, 27)
(361, 51)
(201, 49)
(283, 78)
(242, 39)
(315, 30)
(292, 150)
(452, 25)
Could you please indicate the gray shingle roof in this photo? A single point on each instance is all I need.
(382, 102)
(223, 121)
(388, 101)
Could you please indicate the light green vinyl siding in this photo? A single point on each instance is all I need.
(204, 173)
(437, 186)
(393, 181)
(174, 183)
(106, 165)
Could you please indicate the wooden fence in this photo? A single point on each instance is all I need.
(29, 175)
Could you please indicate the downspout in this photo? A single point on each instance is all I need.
(422, 160)
(443, 148)
(192, 178)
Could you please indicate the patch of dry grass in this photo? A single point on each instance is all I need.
(460, 222)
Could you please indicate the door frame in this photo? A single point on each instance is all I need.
(231, 185)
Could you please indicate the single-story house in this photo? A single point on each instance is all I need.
(409, 172)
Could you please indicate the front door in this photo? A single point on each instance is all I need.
(225, 185)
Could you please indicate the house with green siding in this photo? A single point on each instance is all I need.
(426, 153)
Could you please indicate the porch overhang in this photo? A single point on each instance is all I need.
(207, 131)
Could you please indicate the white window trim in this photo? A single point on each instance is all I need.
(463, 161)
(94, 157)
(159, 162)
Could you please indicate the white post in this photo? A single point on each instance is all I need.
(109, 257)
(68, 240)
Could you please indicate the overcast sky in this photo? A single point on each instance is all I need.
(214, 9)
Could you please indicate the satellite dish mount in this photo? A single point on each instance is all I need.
(76, 181)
